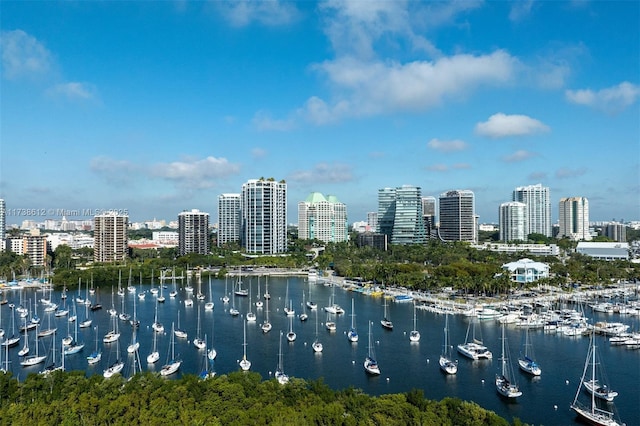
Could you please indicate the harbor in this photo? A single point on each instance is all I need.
(403, 364)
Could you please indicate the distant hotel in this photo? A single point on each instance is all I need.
(263, 206)
(538, 211)
(110, 237)
(322, 218)
(574, 218)
(400, 215)
(458, 221)
(229, 219)
(193, 232)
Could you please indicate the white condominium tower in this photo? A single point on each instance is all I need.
(110, 242)
(229, 219)
(322, 218)
(538, 202)
(263, 205)
(193, 232)
(513, 221)
(400, 214)
(574, 218)
(457, 216)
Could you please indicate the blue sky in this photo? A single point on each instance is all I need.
(157, 107)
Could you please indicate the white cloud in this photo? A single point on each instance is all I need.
(196, 173)
(566, 173)
(447, 146)
(520, 10)
(538, 176)
(263, 121)
(73, 91)
(23, 55)
(501, 125)
(611, 99)
(461, 166)
(258, 153)
(372, 88)
(265, 12)
(518, 156)
(438, 168)
(112, 170)
(323, 173)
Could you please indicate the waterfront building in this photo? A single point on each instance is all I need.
(193, 232)
(229, 219)
(165, 238)
(34, 246)
(538, 202)
(458, 220)
(534, 249)
(110, 243)
(322, 218)
(513, 221)
(3, 223)
(372, 239)
(429, 215)
(526, 270)
(604, 251)
(263, 206)
(574, 218)
(400, 214)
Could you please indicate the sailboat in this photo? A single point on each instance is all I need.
(212, 353)
(303, 316)
(474, 348)
(33, 359)
(266, 325)
(174, 292)
(86, 323)
(160, 298)
(233, 311)
(242, 292)
(117, 366)
(112, 335)
(205, 373)
(258, 302)
(225, 298)
(180, 333)
(13, 340)
(52, 367)
(96, 355)
(414, 336)
(317, 345)
(330, 324)
(154, 356)
(120, 289)
(447, 364)
(267, 295)
(209, 305)
(157, 325)
(352, 335)
(173, 364)
(525, 361)
(288, 309)
(198, 342)
(251, 317)
(133, 347)
(505, 381)
(49, 330)
(333, 307)
(385, 321)
(25, 347)
(134, 321)
(123, 315)
(592, 413)
(75, 346)
(281, 377)
(370, 364)
(244, 363)
(291, 335)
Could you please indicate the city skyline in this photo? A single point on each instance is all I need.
(157, 107)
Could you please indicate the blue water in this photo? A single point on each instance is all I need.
(404, 365)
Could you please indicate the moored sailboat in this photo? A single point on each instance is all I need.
(352, 334)
(526, 361)
(447, 364)
(505, 381)
(414, 335)
(280, 375)
(370, 364)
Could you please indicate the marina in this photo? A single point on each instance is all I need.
(545, 399)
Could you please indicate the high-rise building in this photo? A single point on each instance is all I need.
(615, 231)
(3, 224)
(110, 237)
(457, 216)
(429, 215)
(322, 218)
(538, 202)
(574, 218)
(400, 214)
(193, 232)
(263, 206)
(372, 220)
(513, 221)
(229, 219)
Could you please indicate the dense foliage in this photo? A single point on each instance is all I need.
(234, 399)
